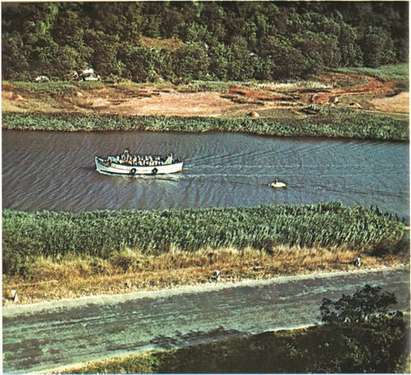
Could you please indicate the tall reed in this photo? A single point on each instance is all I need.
(102, 233)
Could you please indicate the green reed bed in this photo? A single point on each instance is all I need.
(57, 88)
(103, 233)
(340, 123)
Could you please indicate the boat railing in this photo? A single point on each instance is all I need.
(143, 161)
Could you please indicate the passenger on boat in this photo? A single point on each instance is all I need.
(169, 159)
(125, 155)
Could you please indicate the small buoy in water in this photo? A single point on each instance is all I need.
(278, 184)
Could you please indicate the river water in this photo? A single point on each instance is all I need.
(55, 171)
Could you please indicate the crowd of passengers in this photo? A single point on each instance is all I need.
(142, 160)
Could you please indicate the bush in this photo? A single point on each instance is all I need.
(191, 62)
(371, 338)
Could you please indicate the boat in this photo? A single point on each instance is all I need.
(127, 164)
(278, 184)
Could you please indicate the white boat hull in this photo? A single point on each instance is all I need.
(132, 170)
(278, 185)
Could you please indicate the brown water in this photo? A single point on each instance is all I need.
(55, 171)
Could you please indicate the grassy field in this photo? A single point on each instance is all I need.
(328, 122)
(71, 87)
(397, 72)
(316, 349)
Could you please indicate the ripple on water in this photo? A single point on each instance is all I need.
(51, 170)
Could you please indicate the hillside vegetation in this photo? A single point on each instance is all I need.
(179, 41)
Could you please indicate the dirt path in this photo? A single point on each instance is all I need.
(45, 336)
(354, 87)
(179, 104)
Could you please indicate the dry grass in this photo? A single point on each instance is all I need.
(133, 271)
(398, 103)
(13, 102)
(169, 44)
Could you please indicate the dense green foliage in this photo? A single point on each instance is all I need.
(216, 40)
(332, 122)
(102, 233)
(372, 334)
(368, 305)
(316, 350)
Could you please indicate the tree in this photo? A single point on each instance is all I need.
(105, 48)
(139, 63)
(351, 54)
(14, 55)
(214, 11)
(365, 305)
(191, 61)
(279, 49)
(377, 47)
(219, 61)
(241, 40)
(241, 60)
(367, 335)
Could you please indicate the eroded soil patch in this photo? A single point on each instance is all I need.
(229, 100)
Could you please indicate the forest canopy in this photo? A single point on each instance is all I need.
(179, 41)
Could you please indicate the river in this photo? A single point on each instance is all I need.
(55, 171)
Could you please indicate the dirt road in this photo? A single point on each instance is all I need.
(47, 336)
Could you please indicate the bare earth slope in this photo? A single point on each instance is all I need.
(207, 99)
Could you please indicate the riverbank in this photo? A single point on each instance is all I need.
(129, 272)
(51, 255)
(327, 122)
(361, 104)
(296, 351)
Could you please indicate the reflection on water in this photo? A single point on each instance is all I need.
(46, 170)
